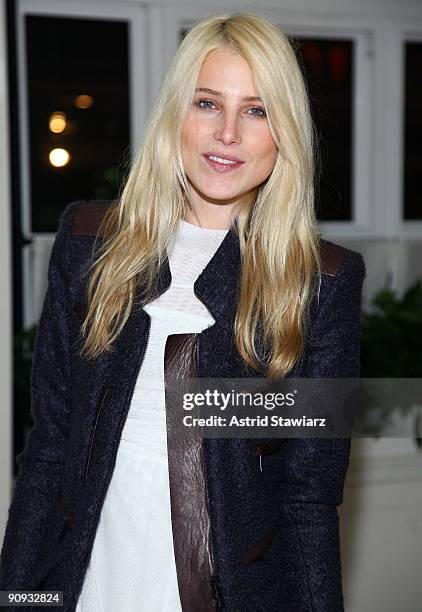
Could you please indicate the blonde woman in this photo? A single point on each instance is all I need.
(208, 265)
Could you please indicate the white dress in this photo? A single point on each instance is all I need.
(132, 566)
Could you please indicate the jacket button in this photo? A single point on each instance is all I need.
(268, 448)
(69, 517)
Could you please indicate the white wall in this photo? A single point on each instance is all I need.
(381, 528)
(6, 293)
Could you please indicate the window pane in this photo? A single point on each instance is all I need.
(328, 69)
(413, 131)
(78, 86)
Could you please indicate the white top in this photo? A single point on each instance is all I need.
(132, 566)
(176, 311)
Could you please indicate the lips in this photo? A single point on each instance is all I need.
(224, 156)
(228, 165)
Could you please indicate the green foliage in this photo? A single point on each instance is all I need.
(391, 341)
(391, 348)
(109, 183)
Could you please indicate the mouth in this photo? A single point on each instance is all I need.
(222, 164)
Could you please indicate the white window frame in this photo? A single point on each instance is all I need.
(6, 307)
(136, 17)
(405, 33)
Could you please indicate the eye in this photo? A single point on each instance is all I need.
(258, 111)
(199, 103)
(261, 112)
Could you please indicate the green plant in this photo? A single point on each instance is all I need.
(391, 343)
(391, 348)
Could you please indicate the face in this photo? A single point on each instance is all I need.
(227, 147)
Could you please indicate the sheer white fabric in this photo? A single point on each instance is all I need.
(132, 565)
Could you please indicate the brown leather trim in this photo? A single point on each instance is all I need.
(189, 512)
(257, 549)
(331, 257)
(267, 448)
(88, 217)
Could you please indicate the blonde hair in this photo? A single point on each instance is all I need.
(277, 227)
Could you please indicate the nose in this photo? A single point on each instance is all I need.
(228, 130)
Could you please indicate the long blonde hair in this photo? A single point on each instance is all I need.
(277, 227)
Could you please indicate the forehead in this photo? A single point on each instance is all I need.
(226, 69)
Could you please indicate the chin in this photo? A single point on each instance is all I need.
(213, 195)
(211, 191)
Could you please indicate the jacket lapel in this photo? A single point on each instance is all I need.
(218, 283)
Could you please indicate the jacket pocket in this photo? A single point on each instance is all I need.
(256, 551)
(99, 409)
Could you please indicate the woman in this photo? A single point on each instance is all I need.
(208, 265)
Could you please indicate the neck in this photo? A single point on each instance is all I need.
(207, 220)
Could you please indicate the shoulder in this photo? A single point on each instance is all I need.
(82, 218)
(339, 262)
(88, 215)
(342, 274)
(72, 252)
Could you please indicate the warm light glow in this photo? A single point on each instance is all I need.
(57, 123)
(84, 101)
(59, 157)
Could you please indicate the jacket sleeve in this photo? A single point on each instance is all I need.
(314, 469)
(36, 487)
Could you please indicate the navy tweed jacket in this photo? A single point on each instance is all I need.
(274, 531)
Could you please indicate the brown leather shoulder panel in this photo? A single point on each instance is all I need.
(88, 217)
(331, 257)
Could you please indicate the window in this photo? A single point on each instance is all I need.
(78, 112)
(412, 209)
(328, 68)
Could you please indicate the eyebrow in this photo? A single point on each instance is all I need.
(222, 95)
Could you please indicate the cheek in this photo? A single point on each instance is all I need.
(192, 134)
(185, 138)
(187, 133)
(267, 155)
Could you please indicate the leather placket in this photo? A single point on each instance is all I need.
(189, 511)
